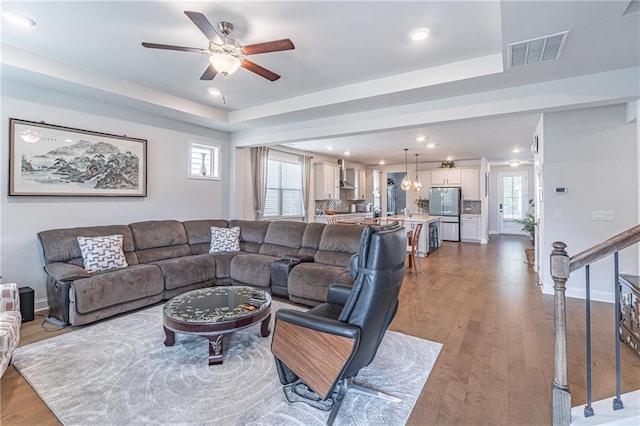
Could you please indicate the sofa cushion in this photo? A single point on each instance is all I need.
(252, 233)
(118, 286)
(61, 245)
(225, 240)
(223, 263)
(312, 280)
(283, 237)
(158, 233)
(159, 239)
(338, 243)
(252, 269)
(199, 231)
(102, 253)
(311, 238)
(182, 271)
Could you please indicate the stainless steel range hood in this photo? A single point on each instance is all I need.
(343, 176)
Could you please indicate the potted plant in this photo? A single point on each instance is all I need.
(528, 225)
(422, 204)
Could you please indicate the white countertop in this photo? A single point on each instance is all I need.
(417, 218)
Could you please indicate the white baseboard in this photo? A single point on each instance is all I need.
(493, 232)
(579, 293)
(41, 305)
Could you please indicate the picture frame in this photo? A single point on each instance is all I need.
(52, 160)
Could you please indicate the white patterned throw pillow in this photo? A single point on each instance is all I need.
(102, 253)
(224, 240)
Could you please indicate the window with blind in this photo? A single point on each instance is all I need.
(204, 161)
(284, 185)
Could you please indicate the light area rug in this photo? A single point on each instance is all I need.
(118, 372)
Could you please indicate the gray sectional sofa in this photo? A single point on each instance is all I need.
(169, 257)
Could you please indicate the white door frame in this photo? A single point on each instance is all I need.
(511, 227)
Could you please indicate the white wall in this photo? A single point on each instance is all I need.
(170, 194)
(494, 193)
(593, 153)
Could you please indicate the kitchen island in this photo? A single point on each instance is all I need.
(427, 221)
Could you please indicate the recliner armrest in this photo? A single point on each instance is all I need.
(338, 294)
(321, 324)
(65, 271)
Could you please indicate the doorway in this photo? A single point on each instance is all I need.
(512, 201)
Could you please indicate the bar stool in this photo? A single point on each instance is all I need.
(412, 246)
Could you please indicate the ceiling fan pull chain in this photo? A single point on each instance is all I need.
(224, 89)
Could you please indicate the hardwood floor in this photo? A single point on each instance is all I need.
(496, 364)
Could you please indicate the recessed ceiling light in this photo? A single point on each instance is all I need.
(330, 147)
(514, 163)
(17, 19)
(68, 140)
(382, 163)
(214, 91)
(347, 153)
(421, 138)
(420, 34)
(449, 158)
(431, 145)
(516, 150)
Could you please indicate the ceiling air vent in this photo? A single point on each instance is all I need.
(536, 50)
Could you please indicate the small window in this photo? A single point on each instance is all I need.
(204, 161)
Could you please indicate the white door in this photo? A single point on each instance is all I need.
(512, 201)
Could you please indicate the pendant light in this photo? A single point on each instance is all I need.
(406, 182)
(417, 185)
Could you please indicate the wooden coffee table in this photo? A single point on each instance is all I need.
(215, 312)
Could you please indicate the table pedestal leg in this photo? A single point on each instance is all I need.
(264, 328)
(216, 349)
(170, 337)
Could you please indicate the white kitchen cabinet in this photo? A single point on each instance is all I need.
(373, 184)
(362, 187)
(470, 184)
(446, 177)
(327, 181)
(470, 227)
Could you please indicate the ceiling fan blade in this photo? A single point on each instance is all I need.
(269, 46)
(204, 25)
(170, 47)
(209, 73)
(261, 71)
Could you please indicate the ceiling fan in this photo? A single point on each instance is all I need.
(226, 55)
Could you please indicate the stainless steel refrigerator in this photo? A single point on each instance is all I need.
(445, 202)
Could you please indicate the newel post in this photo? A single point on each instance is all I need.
(560, 388)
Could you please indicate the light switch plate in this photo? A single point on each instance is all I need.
(606, 216)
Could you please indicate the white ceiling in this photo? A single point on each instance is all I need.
(355, 81)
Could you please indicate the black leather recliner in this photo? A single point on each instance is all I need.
(326, 346)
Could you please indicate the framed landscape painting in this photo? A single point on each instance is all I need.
(45, 159)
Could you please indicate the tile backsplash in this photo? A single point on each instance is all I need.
(324, 205)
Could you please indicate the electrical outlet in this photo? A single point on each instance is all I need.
(557, 214)
(602, 215)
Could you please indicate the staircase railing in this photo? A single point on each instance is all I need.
(561, 267)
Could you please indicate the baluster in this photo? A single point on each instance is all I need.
(588, 410)
(617, 402)
(560, 386)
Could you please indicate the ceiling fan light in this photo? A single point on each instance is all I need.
(225, 64)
